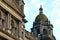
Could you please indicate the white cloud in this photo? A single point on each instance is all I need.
(56, 29)
(56, 9)
(56, 22)
(35, 1)
(57, 35)
(40, 3)
(56, 18)
(56, 2)
(37, 5)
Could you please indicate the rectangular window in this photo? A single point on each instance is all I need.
(22, 8)
(17, 1)
(15, 27)
(2, 20)
(38, 31)
(6, 21)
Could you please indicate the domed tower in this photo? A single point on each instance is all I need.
(42, 28)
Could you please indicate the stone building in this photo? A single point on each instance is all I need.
(12, 23)
(42, 28)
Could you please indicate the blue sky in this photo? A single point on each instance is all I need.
(51, 9)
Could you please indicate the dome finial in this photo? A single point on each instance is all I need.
(40, 6)
(41, 9)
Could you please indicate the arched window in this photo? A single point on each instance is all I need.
(38, 31)
(45, 31)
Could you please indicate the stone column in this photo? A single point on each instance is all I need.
(0, 19)
(9, 23)
(0, 22)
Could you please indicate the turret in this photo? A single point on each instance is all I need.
(42, 28)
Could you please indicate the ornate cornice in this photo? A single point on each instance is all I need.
(10, 10)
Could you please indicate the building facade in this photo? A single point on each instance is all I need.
(12, 22)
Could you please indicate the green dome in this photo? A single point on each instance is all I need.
(41, 17)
